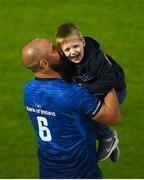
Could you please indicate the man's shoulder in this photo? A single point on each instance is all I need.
(72, 87)
(75, 90)
(28, 83)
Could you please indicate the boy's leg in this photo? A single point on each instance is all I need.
(115, 154)
(121, 97)
(108, 141)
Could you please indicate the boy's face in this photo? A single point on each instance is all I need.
(74, 49)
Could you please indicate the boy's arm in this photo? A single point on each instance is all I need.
(105, 78)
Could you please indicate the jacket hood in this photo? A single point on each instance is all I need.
(90, 47)
(91, 43)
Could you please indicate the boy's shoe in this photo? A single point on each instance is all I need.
(106, 146)
(115, 154)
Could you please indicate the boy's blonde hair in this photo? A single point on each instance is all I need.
(66, 32)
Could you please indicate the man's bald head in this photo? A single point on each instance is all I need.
(35, 51)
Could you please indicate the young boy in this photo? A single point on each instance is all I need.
(96, 71)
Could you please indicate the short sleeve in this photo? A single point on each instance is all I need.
(86, 103)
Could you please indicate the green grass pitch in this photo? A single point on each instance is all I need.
(118, 26)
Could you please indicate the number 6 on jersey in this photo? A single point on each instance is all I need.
(44, 131)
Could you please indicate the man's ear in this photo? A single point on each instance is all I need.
(43, 63)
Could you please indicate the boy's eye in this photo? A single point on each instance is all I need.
(66, 50)
(75, 46)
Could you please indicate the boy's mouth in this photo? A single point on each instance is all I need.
(76, 57)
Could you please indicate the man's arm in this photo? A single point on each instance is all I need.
(109, 112)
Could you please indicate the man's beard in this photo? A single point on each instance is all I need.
(59, 67)
(65, 68)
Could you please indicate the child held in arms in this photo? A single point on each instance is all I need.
(96, 71)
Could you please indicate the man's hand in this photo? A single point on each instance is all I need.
(109, 112)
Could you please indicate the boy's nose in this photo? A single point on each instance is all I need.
(73, 52)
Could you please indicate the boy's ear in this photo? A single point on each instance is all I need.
(83, 40)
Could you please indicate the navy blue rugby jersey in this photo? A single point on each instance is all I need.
(61, 115)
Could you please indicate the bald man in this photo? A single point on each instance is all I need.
(63, 116)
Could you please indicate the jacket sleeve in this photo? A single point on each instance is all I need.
(103, 72)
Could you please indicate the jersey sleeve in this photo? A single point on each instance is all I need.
(85, 103)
